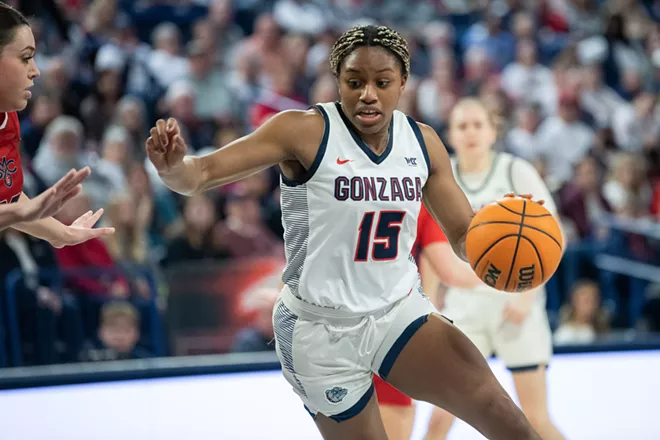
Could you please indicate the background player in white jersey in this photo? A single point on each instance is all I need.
(512, 326)
(354, 175)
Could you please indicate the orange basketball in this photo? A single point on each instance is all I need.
(514, 244)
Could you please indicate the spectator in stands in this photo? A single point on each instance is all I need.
(118, 335)
(166, 62)
(179, 102)
(636, 125)
(582, 320)
(116, 149)
(259, 336)
(296, 48)
(213, 97)
(99, 106)
(490, 35)
(91, 288)
(58, 79)
(627, 185)
(324, 89)
(49, 320)
(521, 140)
(564, 140)
(131, 218)
(197, 241)
(582, 200)
(266, 45)
(281, 96)
(478, 68)
(598, 100)
(45, 109)
(300, 16)
(437, 94)
(525, 79)
(243, 232)
(60, 150)
(166, 222)
(131, 115)
(227, 34)
(582, 204)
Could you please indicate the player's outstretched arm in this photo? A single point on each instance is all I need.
(272, 143)
(451, 271)
(443, 198)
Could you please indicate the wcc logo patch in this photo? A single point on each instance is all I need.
(7, 170)
(336, 394)
(411, 161)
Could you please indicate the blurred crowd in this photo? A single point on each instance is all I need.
(574, 82)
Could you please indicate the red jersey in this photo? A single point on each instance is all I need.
(11, 173)
(428, 231)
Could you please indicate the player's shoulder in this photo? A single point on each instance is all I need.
(428, 132)
(296, 124)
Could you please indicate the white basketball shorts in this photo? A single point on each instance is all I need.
(480, 316)
(329, 356)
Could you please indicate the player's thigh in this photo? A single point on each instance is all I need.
(325, 370)
(367, 425)
(398, 420)
(440, 365)
(524, 347)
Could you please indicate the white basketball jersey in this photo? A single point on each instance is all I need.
(350, 223)
(484, 188)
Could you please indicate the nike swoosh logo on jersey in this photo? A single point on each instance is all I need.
(344, 161)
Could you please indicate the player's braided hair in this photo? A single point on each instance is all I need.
(370, 36)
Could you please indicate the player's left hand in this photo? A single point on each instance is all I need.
(525, 196)
(517, 309)
(82, 230)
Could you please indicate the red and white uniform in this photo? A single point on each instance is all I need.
(428, 232)
(11, 173)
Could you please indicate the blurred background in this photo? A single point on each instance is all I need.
(575, 82)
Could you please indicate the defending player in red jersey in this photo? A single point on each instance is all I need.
(433, 253)
(32, 216)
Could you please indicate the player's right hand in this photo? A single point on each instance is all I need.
(50, 201)
(165, 146)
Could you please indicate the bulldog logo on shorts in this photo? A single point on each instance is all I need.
(336, 394)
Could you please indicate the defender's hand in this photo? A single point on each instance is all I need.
(50, 201)
(165, 147)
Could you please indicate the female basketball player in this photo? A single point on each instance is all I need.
(354, 174)
(18, 72)
(514, 328)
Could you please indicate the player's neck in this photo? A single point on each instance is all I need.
(475, 163)
(377, 142)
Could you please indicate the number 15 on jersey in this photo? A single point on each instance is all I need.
(385, 242)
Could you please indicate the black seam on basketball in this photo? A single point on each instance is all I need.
(515, 251)
(501, 222)
(538, 255)
(528, 215)
(489, 248)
